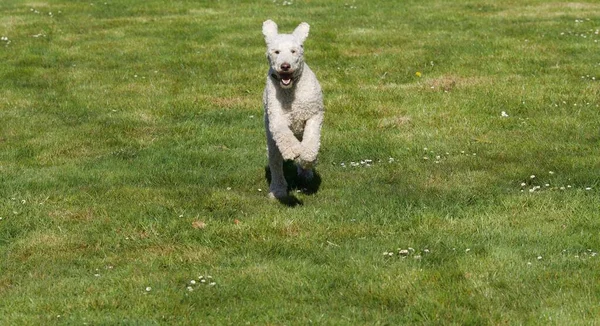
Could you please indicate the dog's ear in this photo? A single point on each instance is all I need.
(301, 32)
(269, 30)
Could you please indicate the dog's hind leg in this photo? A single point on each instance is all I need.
(306, 174)
(278, 186)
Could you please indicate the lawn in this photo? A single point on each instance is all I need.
(459, 169)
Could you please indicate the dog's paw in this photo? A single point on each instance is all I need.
(306, 160)
(289, 155)
(278, 194)
(292, 153)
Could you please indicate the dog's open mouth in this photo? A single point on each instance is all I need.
(286, 79)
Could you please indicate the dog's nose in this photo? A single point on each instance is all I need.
(285, 66)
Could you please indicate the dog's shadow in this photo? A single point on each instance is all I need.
(295, 183)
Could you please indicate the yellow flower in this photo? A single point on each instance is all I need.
(418, 74)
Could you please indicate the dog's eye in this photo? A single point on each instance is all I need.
(293, 51)
(276, 51)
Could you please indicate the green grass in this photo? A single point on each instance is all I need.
(124, 122)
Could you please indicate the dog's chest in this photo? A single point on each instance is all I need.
(297, 113)
(297, 121)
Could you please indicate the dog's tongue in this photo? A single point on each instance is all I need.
(286, 78)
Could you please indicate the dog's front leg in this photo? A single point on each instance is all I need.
(278, 185)
(282, 135)
(311, 141)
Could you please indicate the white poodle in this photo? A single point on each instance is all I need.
(293, 104)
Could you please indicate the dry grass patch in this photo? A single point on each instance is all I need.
(85, 215)
(358, 52)
(550, 10)
(246, 102)
(288, 229)
(451, 82)
(394, 122)
(204, 12)
(147, 254)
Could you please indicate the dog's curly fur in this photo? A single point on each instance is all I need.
(293, 104)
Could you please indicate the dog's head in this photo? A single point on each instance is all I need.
(285, 52)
